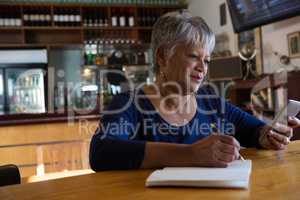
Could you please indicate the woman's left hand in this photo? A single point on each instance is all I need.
(294, 122)
(278, 137)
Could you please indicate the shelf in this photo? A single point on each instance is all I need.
(86, 5)
(43, 45)
(117, 28)
(74, 28)
(51, 28)
(10, 28)
(51, 36)
(112, 65)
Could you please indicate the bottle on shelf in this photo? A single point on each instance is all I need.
(1, 18)
(105, 21)
(114, 18)
(85, 20)
(95, 19)
(100, 19)
(72, 17)
(143, 18)
(78, 18)
(122, 18)
(41, 17)
(60, 20)
(148, 18)
(31, 17)
(56, 17)
(66, 16)
(8, 18)
(130, 19)
(99, 59)
(90, 20)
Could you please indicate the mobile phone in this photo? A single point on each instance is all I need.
(293, 108)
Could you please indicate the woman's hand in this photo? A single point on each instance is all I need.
(277, 138)
(215, 151)
(294, 122)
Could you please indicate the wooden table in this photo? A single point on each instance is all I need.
(275, 175)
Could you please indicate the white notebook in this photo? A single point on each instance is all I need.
(236, 175)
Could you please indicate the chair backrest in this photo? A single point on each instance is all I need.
(9, 175)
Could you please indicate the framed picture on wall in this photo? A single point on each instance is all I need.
(294, 44)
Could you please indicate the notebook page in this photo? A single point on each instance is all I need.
(235, 175)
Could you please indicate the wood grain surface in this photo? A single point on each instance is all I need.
(275, 175)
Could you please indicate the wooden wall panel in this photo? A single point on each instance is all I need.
(23, 145)
(40, 133)
(23, 155)
(27, 171)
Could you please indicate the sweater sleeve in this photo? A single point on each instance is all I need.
(246, 125)
(115, 145)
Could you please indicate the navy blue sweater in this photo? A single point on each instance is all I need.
(119, 142)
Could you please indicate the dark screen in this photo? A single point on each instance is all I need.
(248, 14)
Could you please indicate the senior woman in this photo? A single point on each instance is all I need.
(173, 122)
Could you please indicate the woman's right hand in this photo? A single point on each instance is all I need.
(215, 151)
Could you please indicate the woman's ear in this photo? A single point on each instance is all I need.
(161, 58)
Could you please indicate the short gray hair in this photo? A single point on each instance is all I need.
(178, 27)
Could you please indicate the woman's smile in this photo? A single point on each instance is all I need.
(197, 78)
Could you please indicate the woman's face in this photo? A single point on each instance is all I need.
(187, 68)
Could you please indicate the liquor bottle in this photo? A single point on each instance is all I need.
(72, 21)
(31, 17)
(36, 19)
(17, 18)
(67, 15)
(122, 20)
(78, 18)
(114, 18)
(130, 19)
(85, 20)
(56, 18)
(90, 19)
(99, 56)
(48, 17)
(143, 18)
(153, 17)
(148, 18)
(89, 55)
(101, 19)
(41, 17)
(105, 20)
(95, 19)
(8, 18)
(1, 18)
(61, 17)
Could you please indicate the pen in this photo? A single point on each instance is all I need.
(216, 130)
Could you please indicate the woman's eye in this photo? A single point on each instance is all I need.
(207, 62)
(193, 56)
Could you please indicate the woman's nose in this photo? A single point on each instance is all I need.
(200, 66)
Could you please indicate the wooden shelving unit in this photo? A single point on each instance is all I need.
(70, 35)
